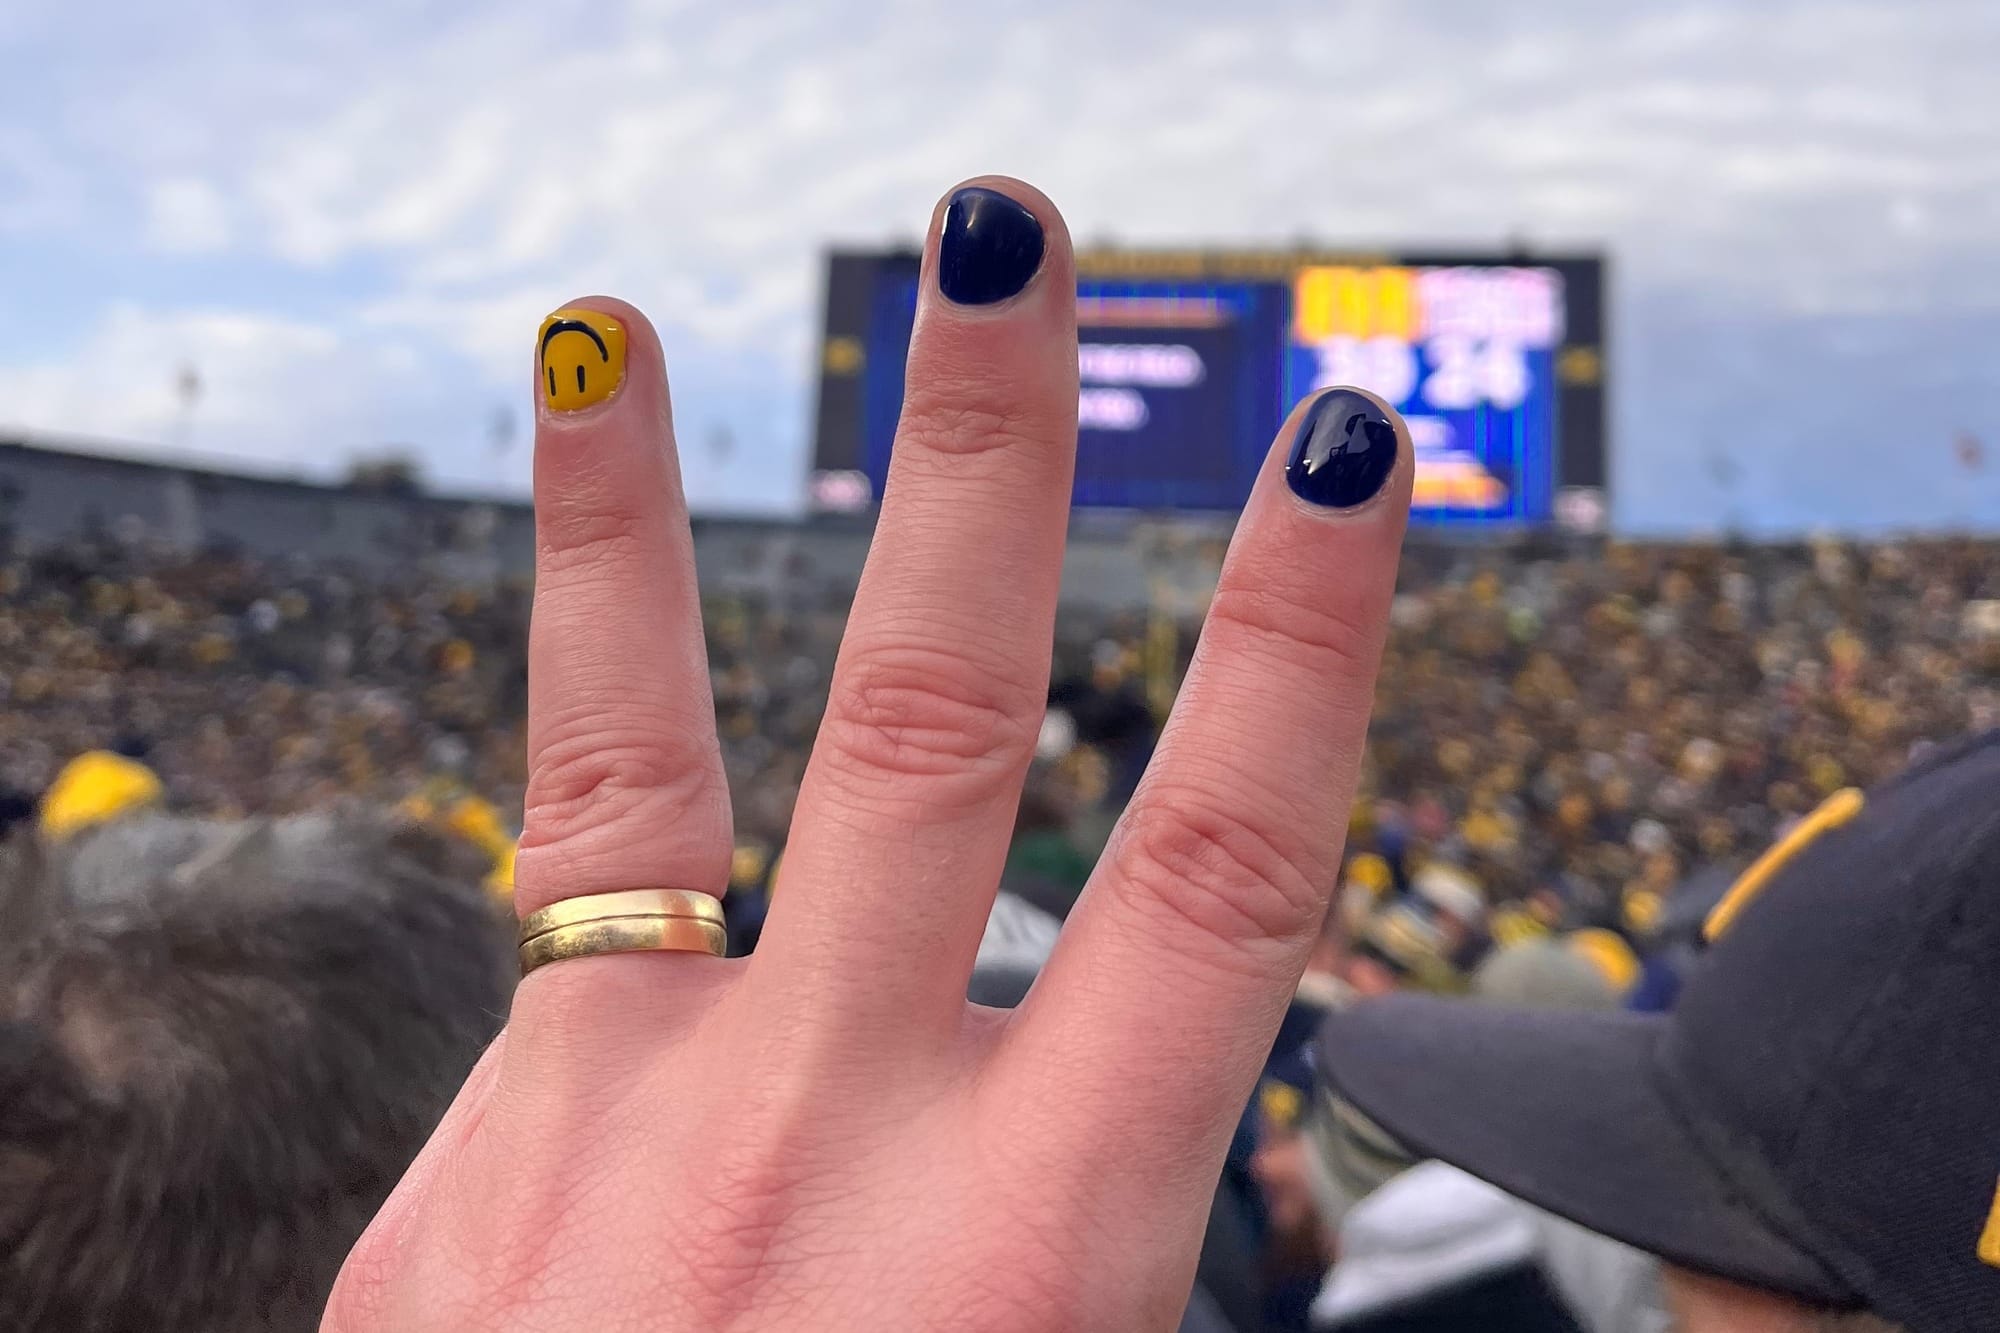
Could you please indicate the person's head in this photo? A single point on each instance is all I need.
(1457, 906)
(220, 1045)
(1814, 1132)
(1400, 947)
(1548, 972)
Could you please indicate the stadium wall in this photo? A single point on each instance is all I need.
(50, 495)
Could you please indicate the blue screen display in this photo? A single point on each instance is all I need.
(1184, 384)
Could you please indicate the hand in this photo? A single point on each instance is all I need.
(824, 1135)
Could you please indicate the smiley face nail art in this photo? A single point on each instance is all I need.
(582, 358)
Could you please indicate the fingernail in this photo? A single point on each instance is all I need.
(989, 249)
(583, 358)
(1345, 450)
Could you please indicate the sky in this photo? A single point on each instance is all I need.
(350, 218)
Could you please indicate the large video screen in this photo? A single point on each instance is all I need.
(1190, 361)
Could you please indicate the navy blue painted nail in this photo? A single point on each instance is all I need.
(1346, 449)
(989, 249)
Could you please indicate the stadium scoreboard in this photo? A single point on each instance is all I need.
(1189, 361)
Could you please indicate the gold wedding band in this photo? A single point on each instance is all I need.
(626, 902)
(628, 921)
(621, 934)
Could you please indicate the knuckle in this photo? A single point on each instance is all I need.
(1196, 869)
(901, 715)
(587, 791)
(960, 419)
(570, 539)
(1291, 632)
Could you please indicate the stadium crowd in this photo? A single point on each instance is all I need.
(1586, 725)
(1563, 747)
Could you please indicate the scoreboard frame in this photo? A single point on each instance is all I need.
(1581, 362)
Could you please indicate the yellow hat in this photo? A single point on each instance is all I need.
(478, 822)
(1371, 872)
(95, 786)
(1610, 955)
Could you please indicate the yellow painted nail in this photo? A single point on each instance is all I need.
(583, 358)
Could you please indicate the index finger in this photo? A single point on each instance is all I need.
(1200, 915)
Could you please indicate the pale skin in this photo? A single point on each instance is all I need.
(825, 1135)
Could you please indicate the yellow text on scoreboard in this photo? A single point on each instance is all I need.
(1522, 307)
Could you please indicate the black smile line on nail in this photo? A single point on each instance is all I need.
(574, 326)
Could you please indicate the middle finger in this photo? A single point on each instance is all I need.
(907, 806)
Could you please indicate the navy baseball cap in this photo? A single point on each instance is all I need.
(1819, 1116)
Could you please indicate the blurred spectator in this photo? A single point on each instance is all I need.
(1807, 1134)
(221, 1043)
(1598, 740)
(1437, 1251)
(1317, 1159)
(93, 787)
(1571, 736)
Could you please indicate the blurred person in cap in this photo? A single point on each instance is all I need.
(1610, 955)
(1457, 909)
(221, 1044)
(1351, 1155)
(1401, 946)
(1427, 1248)
(1587, 969)
(1809, 1138)
(1420, 1255)
(96, 786)
(1437, 1251)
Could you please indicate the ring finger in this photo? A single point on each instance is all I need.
(625, 783)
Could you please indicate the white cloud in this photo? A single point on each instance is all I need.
(495, 331)
(267, 389)
(186, 215)
(696, 159)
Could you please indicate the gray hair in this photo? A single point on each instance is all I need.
(220, 1045)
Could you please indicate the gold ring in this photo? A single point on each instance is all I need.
(622, 934)
(679, 903)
